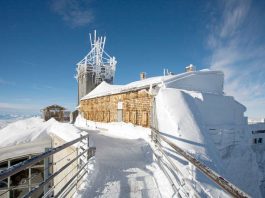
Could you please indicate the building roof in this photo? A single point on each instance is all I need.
(32, 135)
(104, 88)
(54, 107)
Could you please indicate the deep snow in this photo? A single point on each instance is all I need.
(124, 164)
(32, 135)
(213, 129)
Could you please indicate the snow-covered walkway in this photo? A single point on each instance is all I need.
(123, 168)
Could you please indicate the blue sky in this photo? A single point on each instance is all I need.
(41, 42)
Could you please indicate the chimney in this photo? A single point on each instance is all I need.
(190, 68)
(142, 75)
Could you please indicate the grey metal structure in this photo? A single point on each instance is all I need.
(95, 67)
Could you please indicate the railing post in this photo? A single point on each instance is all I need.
(154, 124)
(88, 152)
(78, 166)
(46, 172)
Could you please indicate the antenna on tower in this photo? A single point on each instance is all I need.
(97, 64)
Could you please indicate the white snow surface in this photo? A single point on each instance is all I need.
(32, 135)
(213, 129)
(124, 165)
(196, 81)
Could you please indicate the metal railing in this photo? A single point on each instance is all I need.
(86, 151)
(230, 188)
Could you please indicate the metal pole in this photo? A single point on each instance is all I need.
(46, 171)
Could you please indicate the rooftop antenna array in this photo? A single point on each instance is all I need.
(97, 62)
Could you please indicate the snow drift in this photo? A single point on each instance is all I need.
(214, 130)
(32, 135)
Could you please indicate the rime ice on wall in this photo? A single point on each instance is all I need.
(211, 127)
(96, 66)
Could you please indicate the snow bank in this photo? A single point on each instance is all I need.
(32, 135)
(214, 130)
(179, 121)
(115, 129)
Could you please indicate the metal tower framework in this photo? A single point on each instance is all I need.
(97, 62)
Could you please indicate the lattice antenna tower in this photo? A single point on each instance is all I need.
(97, 62)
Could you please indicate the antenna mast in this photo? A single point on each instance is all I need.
(98, 62)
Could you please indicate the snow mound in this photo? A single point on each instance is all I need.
(214, 130)
(32, 135)
(115, 129)
(25, 131)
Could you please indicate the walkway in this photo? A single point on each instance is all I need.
(120, 169)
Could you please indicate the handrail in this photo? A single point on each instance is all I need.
(223, 183)
(87, 152)
(54, 175)
(28, 163)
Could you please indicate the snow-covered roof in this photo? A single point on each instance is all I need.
(107, 89)
(32, 135)
(54, 107)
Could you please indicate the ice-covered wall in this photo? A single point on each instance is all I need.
(179, 120)
(220, 110)
(213, 128)
(202, 81)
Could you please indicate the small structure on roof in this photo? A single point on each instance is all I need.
(57, 112)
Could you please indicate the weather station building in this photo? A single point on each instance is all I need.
(99, 100)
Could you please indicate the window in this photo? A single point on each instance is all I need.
(144, 118)
(257, 141)
(22, 182)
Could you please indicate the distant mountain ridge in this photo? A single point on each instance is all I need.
(6, 118)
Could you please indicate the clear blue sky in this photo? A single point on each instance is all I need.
(41, 42)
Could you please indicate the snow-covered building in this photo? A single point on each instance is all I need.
(27, 138)
(135, 99)
(57, 112)
(192, 110)
(258, 134)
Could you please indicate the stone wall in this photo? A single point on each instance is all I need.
(134, 105)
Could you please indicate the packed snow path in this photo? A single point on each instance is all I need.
(120, 169)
